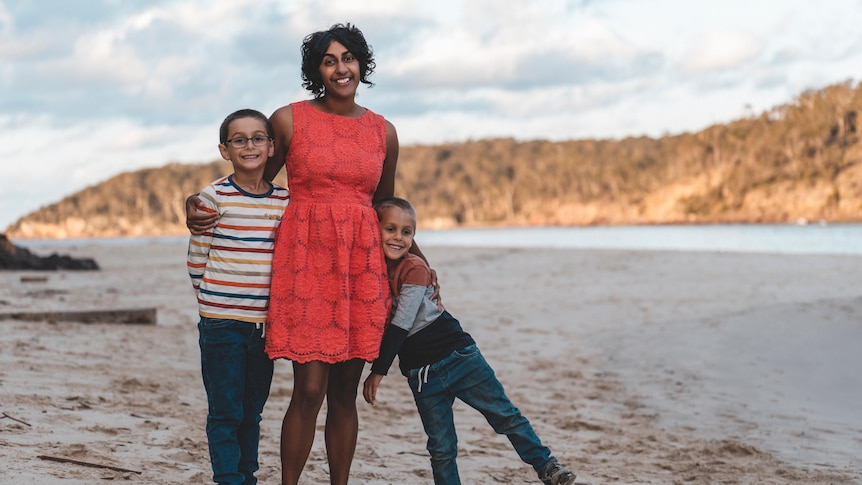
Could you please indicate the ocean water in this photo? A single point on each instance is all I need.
(753, 238)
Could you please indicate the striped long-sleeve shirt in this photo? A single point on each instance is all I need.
(231, 265)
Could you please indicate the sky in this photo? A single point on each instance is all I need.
(93, 88)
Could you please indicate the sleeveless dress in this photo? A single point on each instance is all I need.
(329, 298)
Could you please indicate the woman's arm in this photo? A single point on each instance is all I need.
(199, 220)
(386, 185)
(282, 129)
(386, 188)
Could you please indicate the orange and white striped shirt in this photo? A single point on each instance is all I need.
(231, 265)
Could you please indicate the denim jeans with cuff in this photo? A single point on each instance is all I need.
(465, 375)
(237, 374)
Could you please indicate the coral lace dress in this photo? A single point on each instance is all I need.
(329, 298)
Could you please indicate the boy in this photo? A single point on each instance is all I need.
(429, 343)
(230, 268)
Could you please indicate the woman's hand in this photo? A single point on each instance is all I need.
(436, 295)
(198, 220)
(414, 248)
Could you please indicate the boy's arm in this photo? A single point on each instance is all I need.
(406, 311)
(390, 345)
(369, 389)
(199, 244)
(393, 339)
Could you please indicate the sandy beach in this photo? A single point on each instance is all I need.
(634, 367)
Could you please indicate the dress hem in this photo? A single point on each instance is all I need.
(327, 359)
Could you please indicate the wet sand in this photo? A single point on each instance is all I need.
(634, 367)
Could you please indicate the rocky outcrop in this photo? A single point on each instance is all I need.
(14, 257)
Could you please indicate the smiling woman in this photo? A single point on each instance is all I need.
(339, 156)
(330, 298)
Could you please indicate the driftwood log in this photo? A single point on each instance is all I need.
(62, 459)
(144, 316)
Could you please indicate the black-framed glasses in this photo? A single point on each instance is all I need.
(242, 142)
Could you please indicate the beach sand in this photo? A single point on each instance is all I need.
(634, 367)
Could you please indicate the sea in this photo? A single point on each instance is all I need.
(797, 238)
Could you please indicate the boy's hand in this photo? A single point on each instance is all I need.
(369, 389)
(198, 220)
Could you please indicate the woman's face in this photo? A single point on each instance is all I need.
(340, 71)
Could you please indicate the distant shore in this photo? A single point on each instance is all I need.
(77, 228)
(755, 238)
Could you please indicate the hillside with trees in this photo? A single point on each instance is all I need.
(798, 161)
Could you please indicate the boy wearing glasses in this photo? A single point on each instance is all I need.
(230, 267)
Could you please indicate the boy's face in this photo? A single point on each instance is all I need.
(252, 154)
(397, 228)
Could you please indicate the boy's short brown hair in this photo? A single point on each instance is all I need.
(243, 113)
(398, 202)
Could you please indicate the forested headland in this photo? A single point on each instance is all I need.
(798, 161)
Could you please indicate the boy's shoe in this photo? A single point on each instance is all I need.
(552, 473)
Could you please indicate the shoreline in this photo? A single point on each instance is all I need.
(589, 345)
(445, 224)
(838, 239)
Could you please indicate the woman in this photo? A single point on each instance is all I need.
(330, 295)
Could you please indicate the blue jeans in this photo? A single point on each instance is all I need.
(465, 375)
(237, 375)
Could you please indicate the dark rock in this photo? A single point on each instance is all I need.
(14, 257)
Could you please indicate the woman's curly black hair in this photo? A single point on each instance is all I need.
(314, 46)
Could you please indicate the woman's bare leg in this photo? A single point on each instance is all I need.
(297, 429)
(342, 421)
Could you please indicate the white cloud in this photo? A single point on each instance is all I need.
(720, 50)
(533, 42)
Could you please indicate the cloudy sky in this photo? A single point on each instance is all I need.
(90, 88)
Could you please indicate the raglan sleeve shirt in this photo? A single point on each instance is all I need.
(199, 245)
(410, 282)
